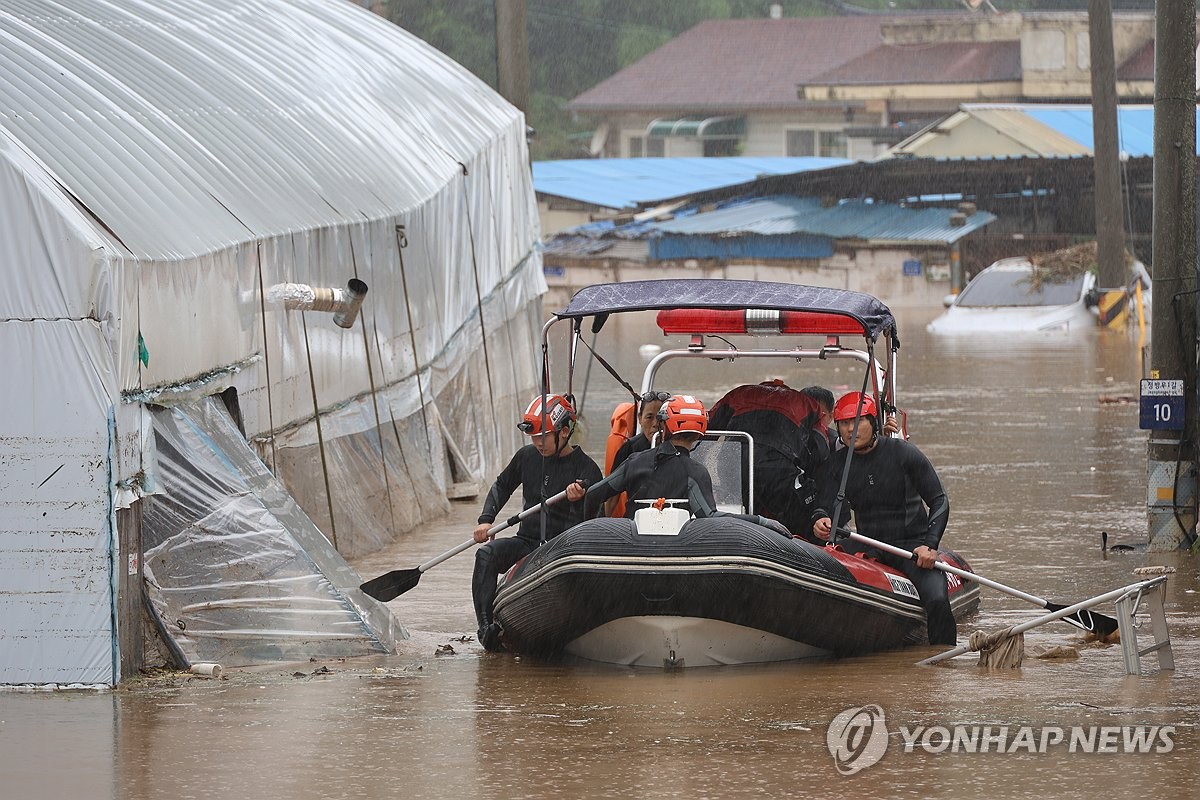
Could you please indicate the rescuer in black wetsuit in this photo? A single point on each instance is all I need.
(543, 468)
(668, 470)
(897, 498)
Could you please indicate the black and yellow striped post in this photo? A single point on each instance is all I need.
(1117, 308)
(1113, 308)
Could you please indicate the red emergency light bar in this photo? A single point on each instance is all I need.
(756, 322)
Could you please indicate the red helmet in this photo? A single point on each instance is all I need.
(847, 406)
(558, 414)
(683, 414)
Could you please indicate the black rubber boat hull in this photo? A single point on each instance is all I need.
(762, 597)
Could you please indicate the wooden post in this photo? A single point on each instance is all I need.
(1110, 226)
(512, 53)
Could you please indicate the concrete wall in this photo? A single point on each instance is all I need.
(554, 219)
(1056, 53)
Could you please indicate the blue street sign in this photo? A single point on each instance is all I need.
(911, 266)
(1161, 405)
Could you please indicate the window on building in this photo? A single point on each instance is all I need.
(647, 147)
(721, 147)
(833, 144)
(828, 144)
(801, 143)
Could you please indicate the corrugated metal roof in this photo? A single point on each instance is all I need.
(579, 246)
(1020, 131)
(767, 215)
(1135, 124)
(631, 182)
(781, 215)
(185, 126)
(751, 246)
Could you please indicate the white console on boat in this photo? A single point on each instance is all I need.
(664, 521)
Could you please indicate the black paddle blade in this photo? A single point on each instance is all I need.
(1088, 620)
(391, 585)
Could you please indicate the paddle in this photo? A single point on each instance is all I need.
(395, 583)
(1086, 619)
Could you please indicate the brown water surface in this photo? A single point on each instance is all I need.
(1035, 466)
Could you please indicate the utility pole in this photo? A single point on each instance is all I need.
(512, 53)
(1171, 472)
(1111, 275)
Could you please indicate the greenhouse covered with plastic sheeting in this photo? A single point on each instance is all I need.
(272, 282)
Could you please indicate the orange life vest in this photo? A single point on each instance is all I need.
(623, 426)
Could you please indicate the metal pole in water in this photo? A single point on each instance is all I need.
(1171, 470)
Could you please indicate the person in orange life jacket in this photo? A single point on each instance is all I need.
(668, 471)
(650, 424)
(543, 468)
(897, 498)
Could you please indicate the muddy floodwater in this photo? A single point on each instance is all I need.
(1039, 456)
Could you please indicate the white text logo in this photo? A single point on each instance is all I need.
(1026, 739)
(857, 738)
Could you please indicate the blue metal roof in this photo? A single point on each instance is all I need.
(1135, 124)
(755, 246)
(632, 182)
(856, 219)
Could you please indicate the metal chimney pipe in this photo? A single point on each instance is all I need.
(343, 303)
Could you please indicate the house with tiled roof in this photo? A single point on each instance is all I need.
(850, 86)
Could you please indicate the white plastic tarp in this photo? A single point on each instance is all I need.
(56, 543)
(162, 165)
(235, 571)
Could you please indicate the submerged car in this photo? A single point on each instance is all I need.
(1007, 297)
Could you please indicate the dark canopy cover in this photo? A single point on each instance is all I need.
(607, 298)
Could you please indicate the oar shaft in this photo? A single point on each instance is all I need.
(492, 531)
(467, 545)
(944, 567)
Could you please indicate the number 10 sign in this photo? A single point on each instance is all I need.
(1161, 405)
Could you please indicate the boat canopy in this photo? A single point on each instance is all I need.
(607, 298)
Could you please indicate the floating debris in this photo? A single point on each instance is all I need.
(1061, 266)
(1091, 637)
(1062, 651)
(1161, 569)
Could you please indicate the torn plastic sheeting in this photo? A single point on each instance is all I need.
(235, 571)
